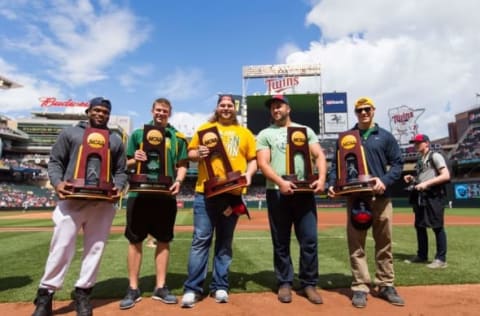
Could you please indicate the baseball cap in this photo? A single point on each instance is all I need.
(364, 101)
(420, 138)
(99, 101)
(279, 97)
(361, 216)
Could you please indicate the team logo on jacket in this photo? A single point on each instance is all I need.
(95, 140)
(154, 137)
(348, 142)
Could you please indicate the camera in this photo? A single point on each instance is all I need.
(411, 186)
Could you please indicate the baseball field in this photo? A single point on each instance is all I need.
(25, 238)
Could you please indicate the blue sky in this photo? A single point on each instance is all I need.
(420, 54)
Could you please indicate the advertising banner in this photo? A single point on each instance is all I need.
(335, 102)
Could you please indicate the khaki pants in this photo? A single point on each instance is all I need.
(382, 235)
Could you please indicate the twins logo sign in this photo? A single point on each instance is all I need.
(403, 123)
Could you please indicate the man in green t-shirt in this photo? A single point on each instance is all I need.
(287, 208)
(154, 214)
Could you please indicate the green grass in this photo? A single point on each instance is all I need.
(23, 256)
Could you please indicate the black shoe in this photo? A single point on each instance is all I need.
(43, 303)
(82, 302)
(416, 259)
(359, 299)
(132, 297)
(389, 294)
(163, 294)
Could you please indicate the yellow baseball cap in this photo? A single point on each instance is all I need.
(364, 101)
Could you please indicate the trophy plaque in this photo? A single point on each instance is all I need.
(352, 170)
(151, 176)
(91, 178)
(297, 145)
(217, 184)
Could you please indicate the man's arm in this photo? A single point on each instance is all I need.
(263, 160)
(321, 164)
(251, 169)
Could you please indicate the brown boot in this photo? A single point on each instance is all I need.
(285, 293)
(312, 295)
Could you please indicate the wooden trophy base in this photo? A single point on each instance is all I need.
(363, 185)
(141, 184)
(303, 186)
(81, 191)
(216, 186)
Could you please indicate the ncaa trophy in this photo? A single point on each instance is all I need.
(352, 170)
(216, 184)
(151, 176)
(92, 179)
(297, 146)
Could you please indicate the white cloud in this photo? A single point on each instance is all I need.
(187, 123)
(133, 76)
(286, 50)
(78, 43)
(27, 97)
(420, 54)
(182, 84)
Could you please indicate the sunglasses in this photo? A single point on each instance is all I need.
(360, 110)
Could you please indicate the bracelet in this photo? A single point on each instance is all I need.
(179, 181)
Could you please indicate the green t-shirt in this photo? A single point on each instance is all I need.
(176, 150)
(274, 138)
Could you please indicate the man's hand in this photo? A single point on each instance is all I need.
(63, 189)
(286, 187)
(318, 186)
(116, 194)
(331, 192)
(378, 186)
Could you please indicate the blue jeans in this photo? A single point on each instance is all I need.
(299, 211)
(207, 217)
(422, 242)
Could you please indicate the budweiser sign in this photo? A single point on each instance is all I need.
(51, 101)
(279, 85)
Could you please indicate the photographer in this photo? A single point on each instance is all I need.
(428, 200)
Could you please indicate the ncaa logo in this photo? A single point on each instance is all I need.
(348, 142)
(298, 138)
(95, 140)
(210, 139)
(154, 137)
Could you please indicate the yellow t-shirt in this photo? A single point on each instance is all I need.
(239, 144)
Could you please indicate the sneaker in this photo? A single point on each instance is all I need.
(163, 294)
(43, 303)
(83, 306)
(437, 264)
(221, 296)
(189, 299)
(389, 294)
(132, 297)
(312, 295)
(359, 299)
(285, 294)
(415, 259)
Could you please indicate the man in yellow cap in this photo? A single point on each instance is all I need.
(384, 162)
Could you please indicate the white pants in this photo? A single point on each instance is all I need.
(95, 218)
